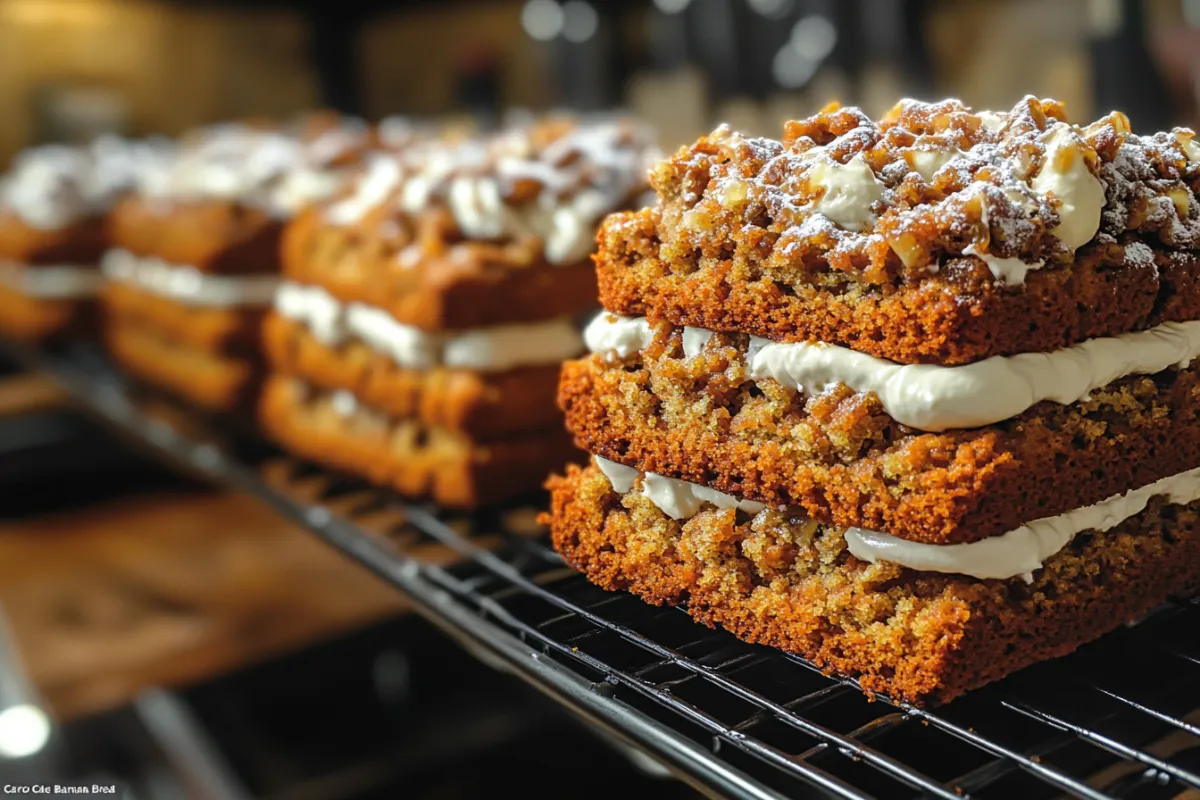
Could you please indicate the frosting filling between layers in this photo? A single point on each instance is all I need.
(1017, 553)
(185, 284)
(931, 397)
(51, 281)
(493, 349)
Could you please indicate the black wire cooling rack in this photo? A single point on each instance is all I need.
(1118, 719)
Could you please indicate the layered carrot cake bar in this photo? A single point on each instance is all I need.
(913, 398)
(196, 261)
(425, 312)
(53, 204)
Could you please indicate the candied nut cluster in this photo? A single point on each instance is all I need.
(899, 199)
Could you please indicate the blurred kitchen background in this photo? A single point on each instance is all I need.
(70, 68)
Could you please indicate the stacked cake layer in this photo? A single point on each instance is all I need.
(425, 312)
(54, 202)
(195, 261)
(912, 398)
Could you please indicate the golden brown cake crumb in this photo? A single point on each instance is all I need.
(404, 454)
(213, 381)
(914, 636)
(481, 405)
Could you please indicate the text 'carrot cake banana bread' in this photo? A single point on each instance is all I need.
(53, 205)
(195, 261)
(915, 399)
(426, 312)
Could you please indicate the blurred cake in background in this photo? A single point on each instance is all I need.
(53, 205)
(195, 254)
(416, 340)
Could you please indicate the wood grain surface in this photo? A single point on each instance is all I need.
(167, 590)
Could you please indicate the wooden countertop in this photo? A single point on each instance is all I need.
(167, 590)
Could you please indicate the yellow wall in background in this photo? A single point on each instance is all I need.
(175, 67)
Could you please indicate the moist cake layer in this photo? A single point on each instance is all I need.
(213, 381)
(1019, 553)
(453, 286)
(81, 242)
(842, 459)
(482, 231)
(211, 236)
(218, 204)
(36, 319)
(1107, 290)
(414, 459)
(476, 403)
(215, 329)
(915, 636)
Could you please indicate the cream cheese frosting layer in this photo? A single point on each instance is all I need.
(931, 397)
(186, 284)
(675, 498)
(494, 349)
(1023, 550)
(51, 281)
(1017, 553)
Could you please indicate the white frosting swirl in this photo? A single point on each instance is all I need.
(380, 176)
(850, 190)
(187, 284)
(494, 349)
(1065, 175)
(53, 186)
(577, 179)
(926, 163)
(1021, 551)
(931, 397)
(617, 337)
(278, 171)
(315, 308)
(1010, 271)
(51, 281)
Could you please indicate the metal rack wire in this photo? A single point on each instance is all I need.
(1118, 719)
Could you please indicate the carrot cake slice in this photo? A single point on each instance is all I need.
(53, 205)
(912, 398)
(195, 257)
(426, 310)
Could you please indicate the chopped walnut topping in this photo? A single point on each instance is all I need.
(930, 187)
